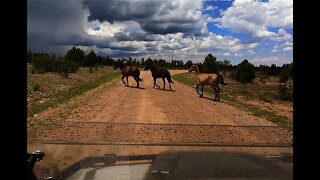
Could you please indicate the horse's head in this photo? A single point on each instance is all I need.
(147, 67)
(193, 68)
(117, 65)
(220, 80)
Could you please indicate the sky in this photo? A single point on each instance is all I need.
(234, 30)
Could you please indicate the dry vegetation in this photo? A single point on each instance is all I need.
(259, 98)
(46, 90)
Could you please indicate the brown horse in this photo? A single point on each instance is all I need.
(128, 71)
(212, 80)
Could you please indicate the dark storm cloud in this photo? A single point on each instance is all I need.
(166, 28)
(49, 21)
(73, 40)
(121, 10)
(133, 36)
(123, 54)
(157, 17)
(123, 48)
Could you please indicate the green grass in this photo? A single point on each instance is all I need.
(73, 92)
(235, 90)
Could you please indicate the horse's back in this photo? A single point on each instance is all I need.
(207, 79)
(131, 70)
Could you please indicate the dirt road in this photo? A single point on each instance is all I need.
(152, 105)
(127, 120)
(152, 115)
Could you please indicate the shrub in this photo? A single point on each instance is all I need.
(284, 92)
(50, 63)
(244, 72)
(64, 70)
(33, 71)
(284, 75)
(36, 87)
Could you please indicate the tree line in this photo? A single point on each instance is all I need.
(243, 72)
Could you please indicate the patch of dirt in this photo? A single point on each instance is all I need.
(280, 108)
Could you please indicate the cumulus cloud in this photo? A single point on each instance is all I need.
(287, 49)
(210, 8)
(277, 60)
(150, 28)
(159, 17)
(256, 17)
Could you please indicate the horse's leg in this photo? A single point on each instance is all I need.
(154, 82)
(215, 91)
(123, 80)
(137, 80)
(170, 86)
(218, 92)
(164, 83)
(127, 81)
(201, 90)
(197, 90)
(169, 83)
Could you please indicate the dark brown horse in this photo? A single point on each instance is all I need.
(128, 71)
(159, 73)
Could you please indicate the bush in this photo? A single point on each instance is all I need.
(50, 63)
(244, 72)
(64, 70)
(33, 71)
(36, 87)
(284, 75)
(284, 92)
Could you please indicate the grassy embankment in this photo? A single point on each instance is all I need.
(240, 95)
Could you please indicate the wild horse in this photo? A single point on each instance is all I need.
(212, 80)
(128, 71)
(159, 73)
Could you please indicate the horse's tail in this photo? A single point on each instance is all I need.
(169, 78)
(220, 80)
(138, 74)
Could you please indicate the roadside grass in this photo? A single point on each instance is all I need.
(54, 90)
(237, 95)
